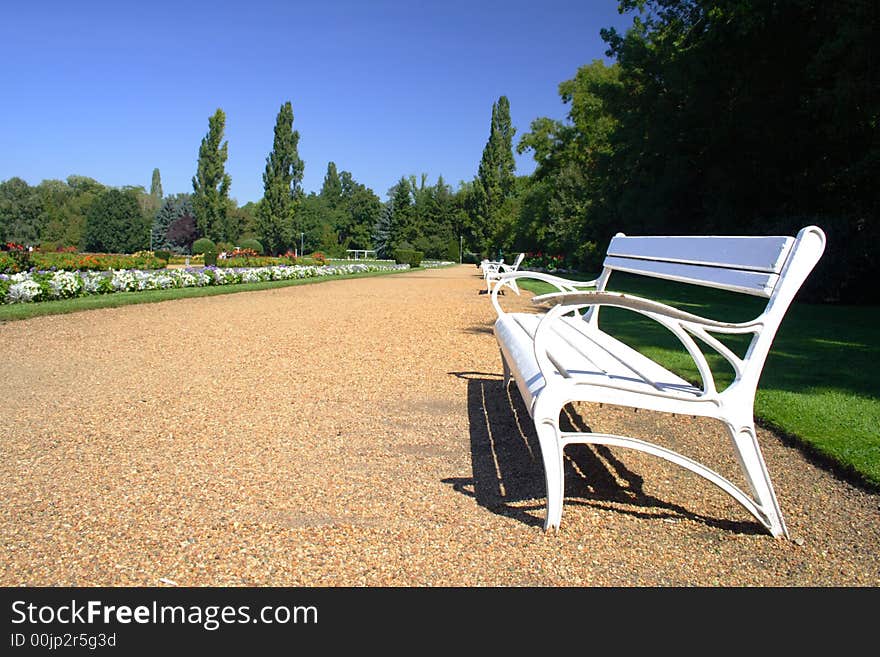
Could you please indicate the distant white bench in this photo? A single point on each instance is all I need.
(492, 272)
(561, 355)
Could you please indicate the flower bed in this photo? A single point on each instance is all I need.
(29, 287)
(41, 260)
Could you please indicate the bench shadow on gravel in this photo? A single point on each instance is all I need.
(508, 472)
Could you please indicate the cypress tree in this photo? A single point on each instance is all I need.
(282, 184)
(211, 182)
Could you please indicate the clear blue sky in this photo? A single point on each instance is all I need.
(384, 89)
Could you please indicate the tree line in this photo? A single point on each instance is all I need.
(714, 116)
(725, 117)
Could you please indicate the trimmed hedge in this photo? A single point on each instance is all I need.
(409, 257)
(203, 245)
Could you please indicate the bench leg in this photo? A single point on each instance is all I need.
(551, 451)
(745, 441)
(506, 370)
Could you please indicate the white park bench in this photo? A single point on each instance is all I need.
(561, 355)
(493, 272)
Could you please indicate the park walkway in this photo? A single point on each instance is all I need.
(356, 432)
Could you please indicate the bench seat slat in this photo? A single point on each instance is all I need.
(603, 360)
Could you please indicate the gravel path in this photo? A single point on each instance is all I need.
(357, 433)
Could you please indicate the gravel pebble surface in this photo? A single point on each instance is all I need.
(357, 433)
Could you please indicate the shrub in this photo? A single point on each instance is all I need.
(319, 258)
(452, 250)
(210, 257)
(203, 245)
(253, 245)
(409, 257)
(402, 256)
(163, 255)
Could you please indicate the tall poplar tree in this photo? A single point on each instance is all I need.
(211, 182)
(496, 174)
(282, 182)
(156, 185)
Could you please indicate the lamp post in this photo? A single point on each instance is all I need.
(301, 236)
(460, 242)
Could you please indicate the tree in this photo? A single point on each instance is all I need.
(65, 207)
(743, 117)
(171, 216)
(562, 209)
(362, 209)
(282, 182)
(156, 186)
(182, 233)
(495, 175)
(331, 190)
(401, 230)
(55, 200)
(114, 223)
(211, 183)
(382, 232)
(20, 212)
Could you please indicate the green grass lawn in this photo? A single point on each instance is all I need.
(819, 385)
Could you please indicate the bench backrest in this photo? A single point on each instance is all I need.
(743, 264)
(751, 265)
(770, 267)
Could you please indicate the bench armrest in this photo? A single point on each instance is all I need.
(580, 299)
(564, 285)
(683, 325)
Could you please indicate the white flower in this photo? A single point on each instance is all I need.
(23, 292)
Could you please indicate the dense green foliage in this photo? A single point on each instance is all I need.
(203, 245)
(52, 213)
(115, 224)
(19, 212)
(341, 216)
(726, 117)
(211, 182)
(253, 245)
(409, 257)
(282, 182)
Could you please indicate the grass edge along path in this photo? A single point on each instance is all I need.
(818, 389)
(20, 311)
